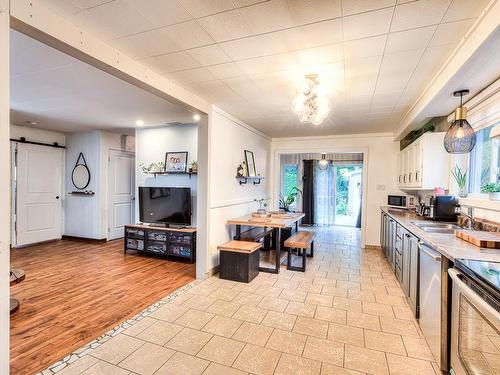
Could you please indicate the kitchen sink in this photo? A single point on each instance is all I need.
(445, 228)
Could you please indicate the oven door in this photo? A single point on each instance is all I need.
(475, 337)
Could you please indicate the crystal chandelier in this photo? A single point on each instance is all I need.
(311, 105)
(460, 137)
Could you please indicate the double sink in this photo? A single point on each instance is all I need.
(444, 228)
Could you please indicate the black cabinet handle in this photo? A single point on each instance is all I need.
(57, 196)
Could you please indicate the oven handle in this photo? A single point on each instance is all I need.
(468, 292)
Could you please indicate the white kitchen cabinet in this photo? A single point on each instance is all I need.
(424, 164)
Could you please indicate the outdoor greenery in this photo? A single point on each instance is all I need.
(491, 187)
(290, 179)
(342, 195)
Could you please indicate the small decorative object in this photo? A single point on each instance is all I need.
(158, 167)
(250, 161)
(493, 189)
(244, 169)
(81, 173)
(286, 202)
(146, 168)
(460, 137)
(262, 206)
(194, 166)
(239, 171)
(461, 180)
(176, 162)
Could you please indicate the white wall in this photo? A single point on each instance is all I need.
(380, 158)
(4, 186)
(36, 134)
(229, 138)
(151, 146)
(83, 213)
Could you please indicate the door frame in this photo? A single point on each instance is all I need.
(13, 189)
(275, 167)
(108, 188)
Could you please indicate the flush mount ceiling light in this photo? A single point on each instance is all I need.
(139, 123)
(323, 163)
(460, 137)
(311, 105)
(196, 117)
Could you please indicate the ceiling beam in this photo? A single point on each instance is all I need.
(486, 24)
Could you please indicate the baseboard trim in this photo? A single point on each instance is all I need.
(84, 239)
(373, 247)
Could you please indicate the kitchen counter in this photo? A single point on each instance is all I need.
(447, 244)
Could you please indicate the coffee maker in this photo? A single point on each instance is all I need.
(440, 207)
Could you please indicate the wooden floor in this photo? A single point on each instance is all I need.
(75, 291)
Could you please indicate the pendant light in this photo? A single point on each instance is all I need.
(323, 163)
(460, 137)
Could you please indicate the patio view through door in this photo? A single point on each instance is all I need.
(348, 191)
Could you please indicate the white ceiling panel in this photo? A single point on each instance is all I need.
(189, 34)
(374, 57)
(209, 55)
(270, 16)
(350, 7)
(309, 11)
(61, 93)
(367, 24)
(225, 26)
(161, 12)
(419, 13)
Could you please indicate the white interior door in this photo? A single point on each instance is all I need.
(121, 190)
(38, 193)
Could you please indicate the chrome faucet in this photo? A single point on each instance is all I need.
(469, 215)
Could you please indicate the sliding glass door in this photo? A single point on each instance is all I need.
(348, 193)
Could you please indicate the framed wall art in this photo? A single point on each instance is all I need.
(250, 160)
(176, 162)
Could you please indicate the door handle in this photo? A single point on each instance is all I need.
(57, 196)
(435, 257)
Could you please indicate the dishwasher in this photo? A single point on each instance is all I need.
(434, 302)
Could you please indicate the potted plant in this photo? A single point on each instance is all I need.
(286, 202)
(461, 180)
(194, 166)
(262, 205)
(493, 189)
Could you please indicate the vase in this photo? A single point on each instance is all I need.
(261, 211)
(495, 196)
(462, 192)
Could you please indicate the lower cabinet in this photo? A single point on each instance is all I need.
(400, 247)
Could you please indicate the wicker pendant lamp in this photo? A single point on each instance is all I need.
(460, 137)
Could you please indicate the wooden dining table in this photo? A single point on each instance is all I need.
(277, 221)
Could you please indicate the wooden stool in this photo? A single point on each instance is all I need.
(300, 241)
(239, 260)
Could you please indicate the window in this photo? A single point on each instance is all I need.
(484, 160)
(290, 179)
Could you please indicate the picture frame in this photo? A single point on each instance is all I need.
(176, 162)
(250, 160)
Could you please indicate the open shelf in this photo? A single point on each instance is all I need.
(174, 173)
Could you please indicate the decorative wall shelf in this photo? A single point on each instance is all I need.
(174, 173)
(246, 179)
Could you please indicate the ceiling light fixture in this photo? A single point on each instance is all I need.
(460, 137)
(196, 117)
(311, 105)
(139, 123)
(29, 122)
(323, 163)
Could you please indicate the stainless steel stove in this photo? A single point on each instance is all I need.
(475, 330)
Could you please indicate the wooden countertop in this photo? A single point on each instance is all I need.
(272, 222)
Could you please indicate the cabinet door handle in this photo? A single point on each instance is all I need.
(409, 177)
(404, 178)
(416, 176)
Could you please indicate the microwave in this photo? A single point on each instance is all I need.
(396, 200)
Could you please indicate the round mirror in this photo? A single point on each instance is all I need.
(80, 176)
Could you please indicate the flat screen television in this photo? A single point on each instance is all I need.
(165, 205)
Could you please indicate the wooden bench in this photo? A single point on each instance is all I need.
(256, 234)
(239, 260)
(300, 241)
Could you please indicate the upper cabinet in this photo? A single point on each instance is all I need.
(424, 164)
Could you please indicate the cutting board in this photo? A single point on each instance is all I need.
(490, 240)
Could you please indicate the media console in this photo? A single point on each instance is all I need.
(169, 242)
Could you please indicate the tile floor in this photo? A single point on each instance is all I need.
(346, 315)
